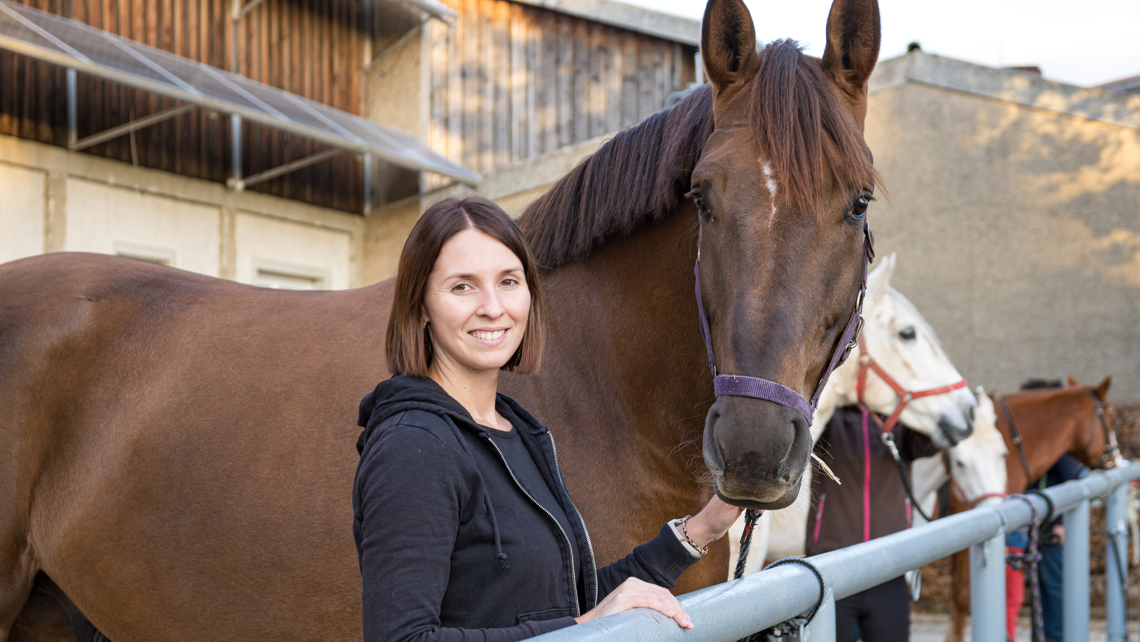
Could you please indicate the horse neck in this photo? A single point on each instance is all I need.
(1050, 427)
(624, 326)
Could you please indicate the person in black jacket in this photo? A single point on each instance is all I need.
(872, 502)
(463, 525)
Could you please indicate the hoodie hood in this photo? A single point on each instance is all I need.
(398, 394)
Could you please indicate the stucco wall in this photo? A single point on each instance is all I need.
(1016, 218)
(23, 191)
(55, 200)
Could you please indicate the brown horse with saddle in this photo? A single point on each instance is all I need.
(177, 452)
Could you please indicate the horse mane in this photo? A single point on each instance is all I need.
(643, 172)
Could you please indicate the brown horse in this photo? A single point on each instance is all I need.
(177, 452)
(1052, 422)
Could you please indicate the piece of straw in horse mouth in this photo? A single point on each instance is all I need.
(825, 468)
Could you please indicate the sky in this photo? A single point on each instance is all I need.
(1083, 42)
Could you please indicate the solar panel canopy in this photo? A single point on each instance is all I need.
(72, 44)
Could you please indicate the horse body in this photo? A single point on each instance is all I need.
(178, 451)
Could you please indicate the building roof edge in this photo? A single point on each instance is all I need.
(1010, 85)
(626, 16)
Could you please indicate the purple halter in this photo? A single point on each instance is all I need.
(744, 386)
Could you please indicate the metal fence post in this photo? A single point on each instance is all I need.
(1076, 576)
(1116, 564)
(987, 589)
(822, 627)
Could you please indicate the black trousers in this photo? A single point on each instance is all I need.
(882, 614)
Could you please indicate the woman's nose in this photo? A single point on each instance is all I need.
(490, 306)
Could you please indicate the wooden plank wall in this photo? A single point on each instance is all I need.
(514, 81)
(313, 48)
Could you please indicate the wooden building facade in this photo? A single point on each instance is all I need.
(514, 81)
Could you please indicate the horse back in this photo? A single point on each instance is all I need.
(151, 414)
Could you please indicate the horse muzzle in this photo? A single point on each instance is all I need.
(757, 451)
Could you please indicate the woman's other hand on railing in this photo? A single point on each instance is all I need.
(636, 594)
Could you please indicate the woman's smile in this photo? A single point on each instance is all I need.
(489, 337)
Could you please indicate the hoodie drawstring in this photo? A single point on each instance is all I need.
(504, 562)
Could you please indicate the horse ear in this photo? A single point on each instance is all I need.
(1102, 389)
(1073, 383)
(853, 36)
(728, 43)
(880, 278)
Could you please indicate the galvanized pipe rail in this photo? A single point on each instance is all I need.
(730, 611)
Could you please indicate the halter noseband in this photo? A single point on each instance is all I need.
(867, 363)
(757, 388)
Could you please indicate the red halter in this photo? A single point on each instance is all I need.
(905, 396)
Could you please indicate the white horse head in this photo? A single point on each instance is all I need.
(897, 337)
(977, 464)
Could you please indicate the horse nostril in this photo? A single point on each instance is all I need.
(971, 413)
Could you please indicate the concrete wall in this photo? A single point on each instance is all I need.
(1015, 216)
(54, 200)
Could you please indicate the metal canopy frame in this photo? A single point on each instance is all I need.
(80, 47)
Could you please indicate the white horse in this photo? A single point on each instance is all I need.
(977, 465)
(902, 342)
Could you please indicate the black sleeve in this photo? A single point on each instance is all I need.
(913, 445)
(659, 561)
(410, 496)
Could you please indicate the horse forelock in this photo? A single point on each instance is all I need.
(795, 111)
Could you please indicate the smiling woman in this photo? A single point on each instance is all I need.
(463, 525)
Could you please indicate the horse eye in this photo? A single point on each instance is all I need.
(859, 209)
(961, 464)
(702, 205)
(907, 334)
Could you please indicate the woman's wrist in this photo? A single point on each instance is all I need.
(700, 531)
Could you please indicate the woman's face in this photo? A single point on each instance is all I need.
(476, 305)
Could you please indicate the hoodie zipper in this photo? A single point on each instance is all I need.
(569, 547)
(589, 544)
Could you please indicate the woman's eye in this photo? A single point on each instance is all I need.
(510, 282)
(907, 334)
(462, 287)
(859, 209)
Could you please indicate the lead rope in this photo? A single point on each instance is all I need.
(751, 516)
(1028, 562)
(790, 627)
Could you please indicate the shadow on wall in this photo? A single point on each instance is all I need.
(1020, 230)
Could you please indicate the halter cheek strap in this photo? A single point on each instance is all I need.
(757, 388)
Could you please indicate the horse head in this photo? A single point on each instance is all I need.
(1098, 448)
(903, 345)
(977, 463)
(781, 190)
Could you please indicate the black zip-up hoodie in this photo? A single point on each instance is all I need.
(449, 548)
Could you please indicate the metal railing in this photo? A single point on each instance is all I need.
(730, 611)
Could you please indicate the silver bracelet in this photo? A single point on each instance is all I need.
(685, 532)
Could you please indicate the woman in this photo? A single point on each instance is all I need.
(463, 527)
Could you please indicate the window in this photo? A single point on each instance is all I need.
(288, 277)
(151, 254)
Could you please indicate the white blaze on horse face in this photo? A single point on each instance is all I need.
(770, 181)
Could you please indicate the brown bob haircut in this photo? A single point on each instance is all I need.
(408, 343)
